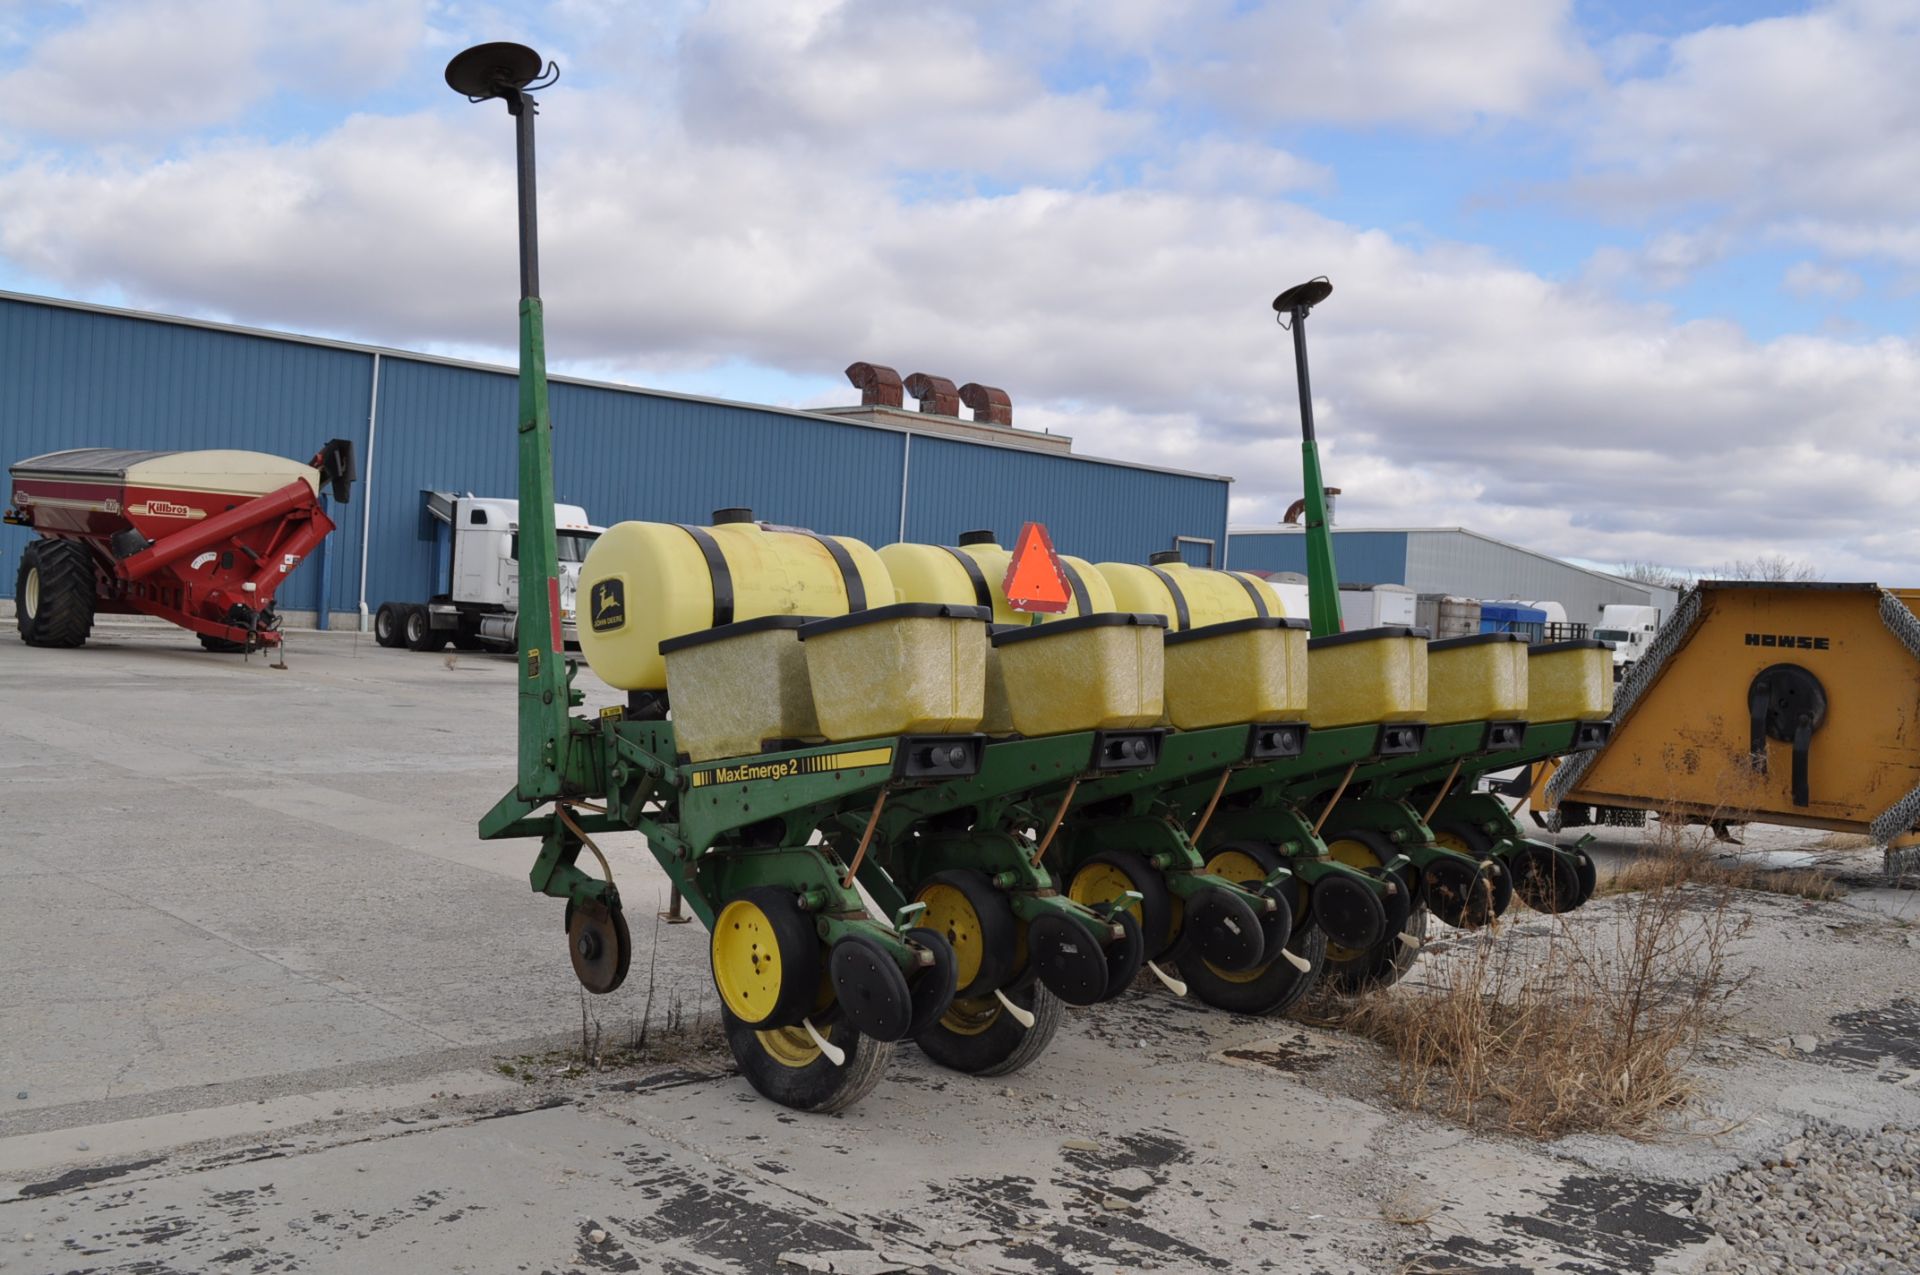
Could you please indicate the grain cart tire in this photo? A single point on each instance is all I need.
(386, 625)
(978, 923)
(1273, 988)
(419, 633)
(53, 594)
(786, 1065)
(978, 1036)
(1111, 873)
(767, 963)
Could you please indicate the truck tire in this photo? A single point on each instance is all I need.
(386, 624)
(420, 633)
(53, 593)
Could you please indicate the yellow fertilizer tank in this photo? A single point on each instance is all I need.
(1570, 681)
(1189, 597)
(972, 573)
(1481, 677)
(1092, 672)
(1782, 703)
(739, 686)
(1367, 675)
(646, 582)
(909, 668)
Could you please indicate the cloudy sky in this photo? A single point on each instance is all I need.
(1617, 279)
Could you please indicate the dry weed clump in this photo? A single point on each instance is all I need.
(1659, 869)
(1590, 1031)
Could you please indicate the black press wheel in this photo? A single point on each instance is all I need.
(787, 1065)
(1352, 966)
(1586, 872)
(1272, 988)
(1545, 880)
(387, 626)
(933, 987)
(870, 989)
(1224, 929)
(1381, 965)
(978, 1036)
(53, 593)
(1067, 958)
(1125, 956)
(1472, 903)
(599, 946)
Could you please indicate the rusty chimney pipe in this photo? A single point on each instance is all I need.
(990, 406)
(879, 385)
(936, 394)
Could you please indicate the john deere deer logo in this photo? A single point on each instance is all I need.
(608, 605)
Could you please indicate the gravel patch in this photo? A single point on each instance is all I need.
(1834, 1200)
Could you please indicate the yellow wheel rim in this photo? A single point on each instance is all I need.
(746, 962)
(1452, 841)
(1098, 883)
(971, 1017)
(1237, 866)
(789, 1046)
(1355, 854)
(949, 913)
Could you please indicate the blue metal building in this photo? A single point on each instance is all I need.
(75, 375)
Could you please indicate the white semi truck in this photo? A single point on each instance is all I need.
(475, 591)
(1630, 628)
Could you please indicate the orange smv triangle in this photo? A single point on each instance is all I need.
(1035, 580)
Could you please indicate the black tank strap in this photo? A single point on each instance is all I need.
(1253, 591)
(717, 571)
(1078, 586)
(849, 573)
(982, 591)
(1182, 619)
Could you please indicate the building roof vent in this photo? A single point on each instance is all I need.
(990, 406)
(937, 395)
(879, 385)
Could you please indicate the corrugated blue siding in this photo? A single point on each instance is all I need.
(79, 378)
(1105, 513)
(73, 378)
(1359, 557)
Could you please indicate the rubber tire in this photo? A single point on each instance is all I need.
(819, 1086)
(999, 929)
(1381, 965)
(65, 614)
(1543, 880)
(1004, 1046)
(420, 635)
(1276, 926)
(466, 639)
(1156, 900)
(799, 943)
(870, 988)
(386, 625)
(1589, 875)
(1480, 845)
(1276, 987)
(933, 988)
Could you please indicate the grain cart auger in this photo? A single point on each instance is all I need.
(814, 988)
(201, 539)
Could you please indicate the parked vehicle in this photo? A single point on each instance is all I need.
(1630, 628)
(1373, 606)
(475, 591)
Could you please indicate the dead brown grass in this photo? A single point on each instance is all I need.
(1661, 869)
(1594, 1030)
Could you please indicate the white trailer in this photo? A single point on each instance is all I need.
(1630, 628)
(1373, 606)
(475, 593)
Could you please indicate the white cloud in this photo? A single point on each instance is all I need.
(1807, 279)
(1801, 125)
(159, 67)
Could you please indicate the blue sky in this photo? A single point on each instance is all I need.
(1620, 281)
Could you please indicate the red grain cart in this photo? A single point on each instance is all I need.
(203, 539)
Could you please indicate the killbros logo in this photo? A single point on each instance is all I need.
(1789, 641)
(608, 604)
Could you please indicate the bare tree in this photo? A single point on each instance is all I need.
(1770, 568)
(1654, 573)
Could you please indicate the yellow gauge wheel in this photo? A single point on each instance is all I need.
(950, 914)
(973, 1016)
(1450, 840)
(1098, 883)
(1237, 866)
(746, 962)
(1353, 853)
(789, 1046)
